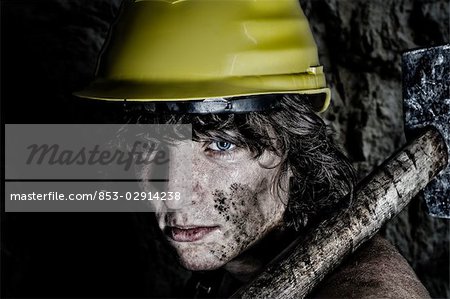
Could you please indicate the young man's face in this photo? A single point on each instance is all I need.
(233, 204)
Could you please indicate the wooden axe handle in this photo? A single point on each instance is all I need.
(379, 197)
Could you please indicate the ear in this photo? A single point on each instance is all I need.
(289, 172)
(290, 177)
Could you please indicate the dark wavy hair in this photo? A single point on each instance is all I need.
(323, 179)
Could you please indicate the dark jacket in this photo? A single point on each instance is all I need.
(375, 270)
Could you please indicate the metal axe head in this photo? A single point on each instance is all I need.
(426, 102)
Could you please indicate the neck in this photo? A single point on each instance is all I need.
(251, 262)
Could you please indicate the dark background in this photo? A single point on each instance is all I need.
(49, 49)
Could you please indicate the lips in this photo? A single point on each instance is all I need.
(189, 234)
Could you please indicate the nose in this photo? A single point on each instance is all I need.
(180, 176)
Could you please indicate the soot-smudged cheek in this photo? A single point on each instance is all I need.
(242, 218)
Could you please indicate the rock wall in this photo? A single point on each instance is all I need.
(49, 49)
(360, 44)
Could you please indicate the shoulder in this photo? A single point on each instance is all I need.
(375, 270)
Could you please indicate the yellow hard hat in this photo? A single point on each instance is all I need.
(192, 50)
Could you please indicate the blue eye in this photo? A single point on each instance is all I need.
(221, 146)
